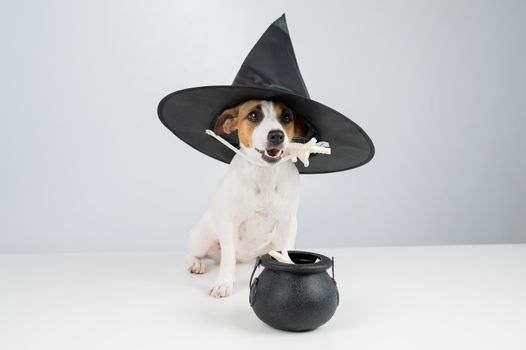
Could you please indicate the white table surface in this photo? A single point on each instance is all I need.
(447, 297)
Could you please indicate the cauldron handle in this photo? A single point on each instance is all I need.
(252, 294)
(337, 293)
(258, 262)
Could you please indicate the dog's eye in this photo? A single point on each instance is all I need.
(286, 117)
(254, 116)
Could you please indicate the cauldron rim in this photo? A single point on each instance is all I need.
(323, 264)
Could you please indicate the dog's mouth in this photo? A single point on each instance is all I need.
(271, 155)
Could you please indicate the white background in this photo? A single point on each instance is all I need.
(85, 164)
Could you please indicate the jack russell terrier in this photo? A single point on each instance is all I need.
(254, 209)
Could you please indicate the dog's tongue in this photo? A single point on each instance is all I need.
(273, 152)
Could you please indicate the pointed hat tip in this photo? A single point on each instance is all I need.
(281, 22)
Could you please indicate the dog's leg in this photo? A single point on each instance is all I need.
(198, 246)
(225, 280)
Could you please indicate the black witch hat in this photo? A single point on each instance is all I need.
(269, 72)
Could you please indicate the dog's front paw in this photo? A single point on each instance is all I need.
(222, 288)
(195, 265)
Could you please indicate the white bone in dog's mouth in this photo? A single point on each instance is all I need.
(271, 155)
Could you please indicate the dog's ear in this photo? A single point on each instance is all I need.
(227, 121)
(301, 130)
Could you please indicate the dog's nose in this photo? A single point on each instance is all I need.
(275, 137)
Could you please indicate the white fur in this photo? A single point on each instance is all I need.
(252, 212)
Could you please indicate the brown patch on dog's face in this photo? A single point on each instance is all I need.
(286, 118)
(250, 115)
(243, 118)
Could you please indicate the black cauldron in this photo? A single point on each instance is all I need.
(294, 297)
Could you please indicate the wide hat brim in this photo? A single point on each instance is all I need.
(188, 113)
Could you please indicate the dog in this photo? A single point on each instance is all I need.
(254, 209)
